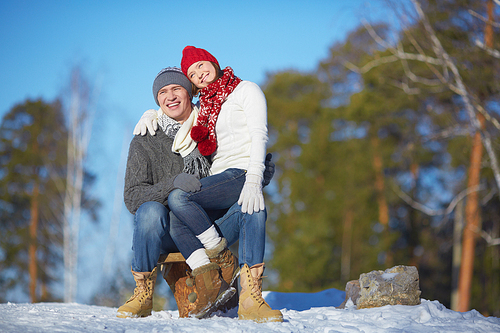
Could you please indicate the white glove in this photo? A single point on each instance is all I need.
(148, 120)
(251, 198)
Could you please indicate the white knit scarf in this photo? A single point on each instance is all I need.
(194, 163)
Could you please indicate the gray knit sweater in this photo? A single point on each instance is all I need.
(151, 169)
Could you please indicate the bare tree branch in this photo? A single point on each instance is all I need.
(419, 79)
(405, 87)
(445, 77)
(371, 64)
(491, 154)
(436, 212)
(438, 48)
(486, 115)
(450, 76)
(484, 19)
(400, 54)
(489, 196)
(447, 133)
(490, 51)
(404, 56)
(490, 240)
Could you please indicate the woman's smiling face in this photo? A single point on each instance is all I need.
(201, 73)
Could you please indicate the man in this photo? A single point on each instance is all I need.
(153, 171)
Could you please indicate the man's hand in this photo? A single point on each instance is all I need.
(148, 120)
(269, 170)
(187, 182)
(251, 197)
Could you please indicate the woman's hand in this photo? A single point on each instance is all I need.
(251, 197)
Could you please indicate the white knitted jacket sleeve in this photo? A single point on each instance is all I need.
(255, 108)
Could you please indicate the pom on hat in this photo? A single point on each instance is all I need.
(206, 144)
(192, 54)
(199, 133)
(207, 147)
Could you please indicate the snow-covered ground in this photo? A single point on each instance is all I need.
(303, 312)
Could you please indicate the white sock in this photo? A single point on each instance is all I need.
(197, 259)
(209, 238)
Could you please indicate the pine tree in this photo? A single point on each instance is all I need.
(33, 162)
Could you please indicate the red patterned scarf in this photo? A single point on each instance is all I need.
(211, 99)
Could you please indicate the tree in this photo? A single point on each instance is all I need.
(444, 36)
(79, 129)
(32, 160)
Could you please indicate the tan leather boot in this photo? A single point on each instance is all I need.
(252, 305)
(226, 260)
(141, 302)
(211, 290)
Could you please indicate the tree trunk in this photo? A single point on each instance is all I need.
(345, 261)
(472, 227)
(415, 226)
(78, 138)
(383, 210)
(472, 208)
(33, 242)
(458, 224)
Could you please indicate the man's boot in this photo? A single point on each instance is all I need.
(226, 260)
(141, 302)
(252, 305)
(211, 290)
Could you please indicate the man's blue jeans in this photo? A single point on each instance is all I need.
(152, 236)
(158, 231)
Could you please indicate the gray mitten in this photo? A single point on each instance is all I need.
(187, 182)
(269, 170)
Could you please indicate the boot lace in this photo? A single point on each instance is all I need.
(257, 288)
(141, 288)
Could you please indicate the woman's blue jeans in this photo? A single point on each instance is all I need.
(158, 231)
(234, 225)
(249, 229)
(217, 192)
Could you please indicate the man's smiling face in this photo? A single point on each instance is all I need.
(175, 102)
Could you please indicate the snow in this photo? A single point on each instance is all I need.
(302, 312)
(389, 276)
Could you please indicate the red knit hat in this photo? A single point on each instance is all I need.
(192, 54)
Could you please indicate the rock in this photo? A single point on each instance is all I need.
(396, 285)
(351, 292)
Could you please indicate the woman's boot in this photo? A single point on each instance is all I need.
(141, 302)
(252, 305)
(211, 290)
(226, 260)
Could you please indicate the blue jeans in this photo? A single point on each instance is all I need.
(217, 192)
(250, 230)
(233, 225)
(158, 231)
(152, 236)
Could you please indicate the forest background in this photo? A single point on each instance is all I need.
(386, 152)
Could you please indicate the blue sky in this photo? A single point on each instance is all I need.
(121, 46)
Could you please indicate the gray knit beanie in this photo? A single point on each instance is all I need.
(171, 75)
